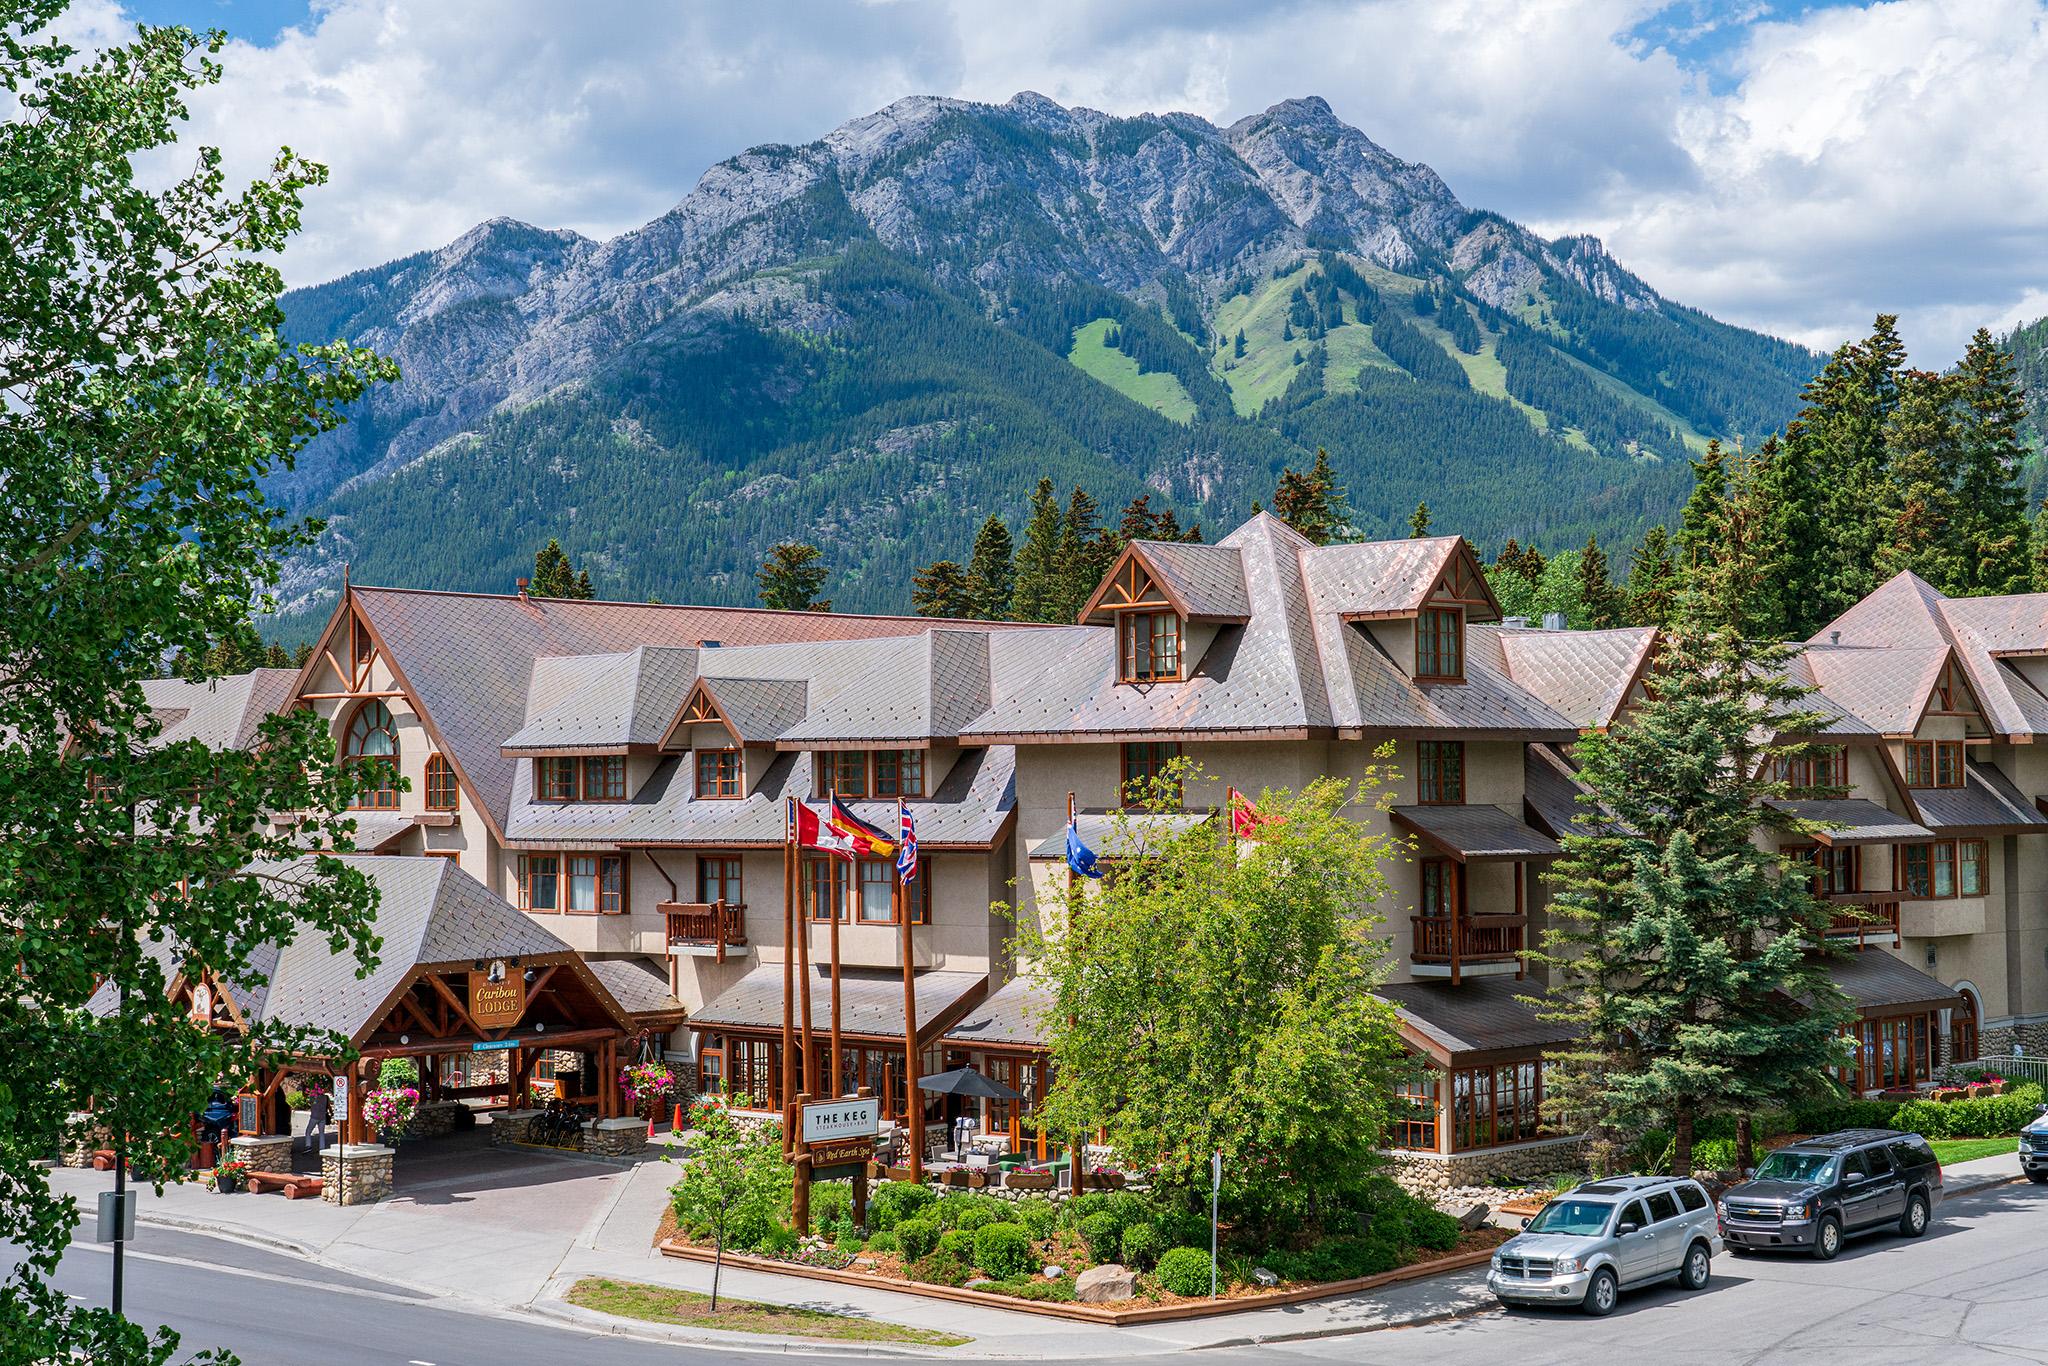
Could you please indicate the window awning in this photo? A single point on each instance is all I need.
(1853, 821)
(1475, 834)
(1099, 830)
(1986, 804)
(1877, 983)
(1474, 1023)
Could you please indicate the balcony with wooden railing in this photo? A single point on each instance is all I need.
(1865, 918)
(705, 927)
(1468, 945)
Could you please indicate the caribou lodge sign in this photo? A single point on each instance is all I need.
(497, 996)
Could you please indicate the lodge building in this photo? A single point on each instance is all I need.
(619, 772)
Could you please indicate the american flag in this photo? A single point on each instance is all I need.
(906, 845)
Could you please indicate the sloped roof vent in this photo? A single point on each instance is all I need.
(1553, 621)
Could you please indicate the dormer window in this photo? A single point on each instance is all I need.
(1440, 645)
(718, 773)
(1148, 646)
(588, 778)
(1934, 763)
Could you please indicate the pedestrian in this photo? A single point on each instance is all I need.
(320, 1107)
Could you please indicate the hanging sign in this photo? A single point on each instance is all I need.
(202, 1003)
(247, 1116)
(497, 996)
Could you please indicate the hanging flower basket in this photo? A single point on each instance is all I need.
(389, 1111)
(646, 1085)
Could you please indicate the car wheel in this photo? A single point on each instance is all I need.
(1601, 1293)
(1699, 1265)
(1914, 1222)
(1827, 1239)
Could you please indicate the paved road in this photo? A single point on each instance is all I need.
(1974, 1290)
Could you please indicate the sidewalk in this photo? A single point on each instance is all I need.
(511, 1232)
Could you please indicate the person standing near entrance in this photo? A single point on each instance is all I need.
(320, 1107)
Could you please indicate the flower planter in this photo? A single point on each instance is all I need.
(227, 1185)
(1031, 1181)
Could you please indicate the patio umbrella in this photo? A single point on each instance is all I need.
(965, 1081)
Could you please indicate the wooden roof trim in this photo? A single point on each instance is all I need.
(854, 742)
(1132, 552)
(692, 712)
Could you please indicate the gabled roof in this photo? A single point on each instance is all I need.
(1876, 983)
(221, 713)
(1463, 1025)
(1585, 676)
(1203, 583)
(1551, 791)
(1851, 820)
(755, 710)
(1886, 689)
(1386, 579)
(921, 688)
(469, 658)
(1475, 833)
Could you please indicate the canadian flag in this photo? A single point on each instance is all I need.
(814, 830)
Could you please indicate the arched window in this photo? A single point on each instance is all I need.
(372, 739)
(443, 794)
(1962, 1029)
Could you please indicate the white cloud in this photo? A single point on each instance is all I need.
(1850, 160)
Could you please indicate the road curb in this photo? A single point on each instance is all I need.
(231, 1234)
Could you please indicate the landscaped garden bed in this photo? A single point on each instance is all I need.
(688, 1309)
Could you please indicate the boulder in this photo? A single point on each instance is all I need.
(1103, 1284)
(1053, 1273)
(1261, 1276)
(1470, 1214)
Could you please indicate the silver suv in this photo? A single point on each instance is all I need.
(1624, 1231)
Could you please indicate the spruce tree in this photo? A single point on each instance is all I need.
(276, 657)
(1311, 503)
(1085, 552)
(991, 575)
(1990, 411)
(1923, 533)
(1678, 941)
(941, 589)
(791, 576)
(1418, 522)
(1038, 593)
(555, 577)
(1601, 602)
(1699, 523)
(2037, 550)
(1652, 582)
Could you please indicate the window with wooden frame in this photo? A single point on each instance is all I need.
(1944, 868)
(1894, 1051)
(880, 773)
(581, 884)
(1836, 868)
(1148, 647)
(1443, 890)
(1415, 1107)
(718, 774)
(1962, 1030)
(1491, 1106)
(1440, 644)
(580, 778)
(1823, 766)
(371, 741)
(1144, 763)
(718, 879)
(443, 792)
(899, 773)
(843, 772)
(824, 882)
(1440, 772)
(1934, 763)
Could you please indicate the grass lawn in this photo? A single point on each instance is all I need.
(660, 1304)
(1951, 1150)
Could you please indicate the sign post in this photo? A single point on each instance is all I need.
(836, 1142)
(341, 1156)
(1215, 1201)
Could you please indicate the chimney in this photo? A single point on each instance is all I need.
(1553, 621)
(1834, 637)
(520, 584)
(1515, 623)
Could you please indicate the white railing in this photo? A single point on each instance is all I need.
(2016, 1069)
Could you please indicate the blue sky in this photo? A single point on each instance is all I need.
(1794, 166)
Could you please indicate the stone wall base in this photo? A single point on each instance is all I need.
(358, 1174)
(264, 1152)
(435, 1119)
(615, 1137)
(1432, 1175)
(1996, 1041)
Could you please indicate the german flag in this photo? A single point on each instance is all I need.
(867, 840)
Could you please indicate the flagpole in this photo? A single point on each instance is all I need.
(790, 926)
(913, 1103)
(852, 890)
(803, 968)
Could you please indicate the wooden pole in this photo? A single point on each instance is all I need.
(852, 890)
(913, 1099)
(791, 926)
(800, 1192)
(803, 972)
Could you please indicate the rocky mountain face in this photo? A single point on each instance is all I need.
(858, 304)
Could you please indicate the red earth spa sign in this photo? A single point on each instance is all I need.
(839, 1136)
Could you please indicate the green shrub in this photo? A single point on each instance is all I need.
(1104, 1236)
(978, 1217)
(779, 1241)
(1179, 1228)
(1286, 1264)
(895, 1201)
(958, 1242)
(831, 1201)
(1185, 1271)
(940, 1268)
(1430, 1228)
(1129, 1207)
(1345, 1258)
(1039, 1217)
(1714, 1155)
(1825, 1117)
(917, 1237)
(883, 1242)
(1003, 1250)
(1081, 1206)
(1141, 1246)
(1057, 1291)
(958, 1205)
(1984, 1117)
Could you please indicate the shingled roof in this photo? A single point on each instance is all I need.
(1012, 1017)
(870, 1001)
(220, 713)
(609, 704)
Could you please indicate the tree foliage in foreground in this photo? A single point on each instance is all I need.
(147, 390)
(1217, 995)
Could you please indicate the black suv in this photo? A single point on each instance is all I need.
(1811, 1193)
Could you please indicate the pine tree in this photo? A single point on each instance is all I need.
(1652, 582)
(1990, 411)
(1602, 604)
(303, 653)
(1418, 522)
(1678, 939)
(1311, 503)
(941, 589)
(1700, 522)
(1237, 345)
(791, 576)
(555, 577)
(2037, 550)
(276, 657)
(1037, 594)
(1085, 552)
(991, 576)
(1923, 533)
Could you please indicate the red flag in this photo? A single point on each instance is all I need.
(816, 832)
(1244, 819)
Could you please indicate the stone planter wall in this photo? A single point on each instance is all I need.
(367, 1178)
(1432, 1175)
(435, 1119)
(81, 1137)
(263, 1152)
(511, 1126)
(615, 1137)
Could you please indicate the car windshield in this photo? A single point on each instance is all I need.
(1579, 1218)
(1789, 1166)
